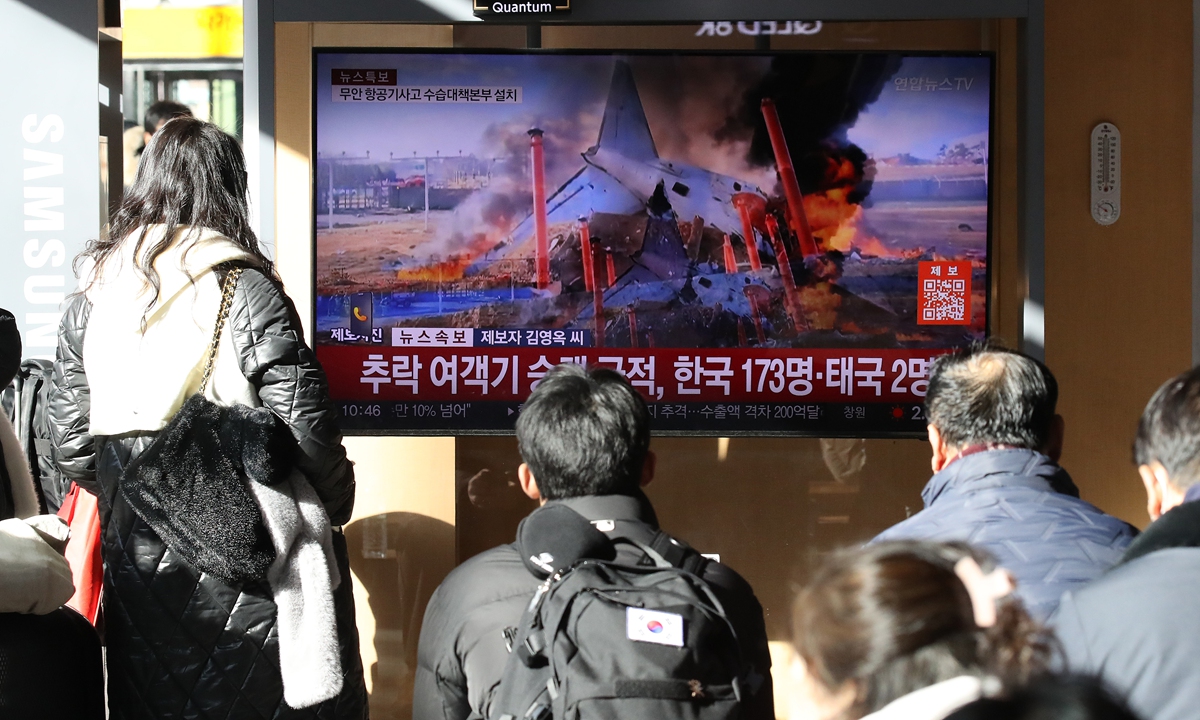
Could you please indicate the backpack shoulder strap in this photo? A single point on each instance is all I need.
(665, 551)
(679, 553)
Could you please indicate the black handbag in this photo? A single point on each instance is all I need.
(190, 484)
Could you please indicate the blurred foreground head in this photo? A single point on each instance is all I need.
(879, 622)
(584, 432)
(991, 397)
(1051, 698)
(1167, 447)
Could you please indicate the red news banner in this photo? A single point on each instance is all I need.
(366, 373)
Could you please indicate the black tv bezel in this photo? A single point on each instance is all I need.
(317, 52)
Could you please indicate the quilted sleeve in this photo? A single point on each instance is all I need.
(70, 400)
(439, 686)
(275, 359)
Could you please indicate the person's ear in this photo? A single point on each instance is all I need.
(528, 482)
(1153, 491)
(146, 138)
(648, 468)
(1153, 496)
(1161, 494)
(1054, 443)
(942, 455)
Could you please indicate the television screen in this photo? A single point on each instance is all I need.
(762, 243)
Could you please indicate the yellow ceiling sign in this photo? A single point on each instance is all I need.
(179, 33)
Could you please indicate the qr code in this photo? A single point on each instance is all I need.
(944, 300)
(944, 293)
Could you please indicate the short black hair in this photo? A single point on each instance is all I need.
(990, 395)
(584, 432)
(162, 111)
(1169, 430)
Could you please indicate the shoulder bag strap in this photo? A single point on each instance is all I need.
(227, 289)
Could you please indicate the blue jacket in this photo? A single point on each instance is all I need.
(1023, 508)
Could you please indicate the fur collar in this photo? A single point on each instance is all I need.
(139, 378)
(1178, 528)
(192, 252)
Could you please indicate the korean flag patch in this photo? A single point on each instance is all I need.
(654, 627)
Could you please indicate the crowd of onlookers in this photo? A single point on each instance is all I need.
(1007, 596)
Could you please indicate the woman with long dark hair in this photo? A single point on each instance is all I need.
(177, 299)
(909, 631)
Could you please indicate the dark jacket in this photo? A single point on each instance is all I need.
(181, 644)
(1023, 508)
(1138, 626)
(462, 649)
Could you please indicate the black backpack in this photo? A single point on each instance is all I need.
(602, 639)
(30, 417)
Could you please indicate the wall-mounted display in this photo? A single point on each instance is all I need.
(761, 243)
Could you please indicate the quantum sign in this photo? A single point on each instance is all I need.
(554, 7)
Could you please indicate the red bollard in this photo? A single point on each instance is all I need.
(797, 219)
(755, 315)
(743, 208)
(542, 240)
(585, 247)
(772, 229)
(730, 260)
(790, 297)
(598, 304)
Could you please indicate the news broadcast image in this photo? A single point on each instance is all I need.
(762, 244)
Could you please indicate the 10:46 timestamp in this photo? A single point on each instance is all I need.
(372, 410)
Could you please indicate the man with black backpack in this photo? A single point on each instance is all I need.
(592, 606)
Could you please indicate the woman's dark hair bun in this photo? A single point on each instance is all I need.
(892, 618)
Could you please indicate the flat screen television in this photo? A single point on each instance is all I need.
(763, 243)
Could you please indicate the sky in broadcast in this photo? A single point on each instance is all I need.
(688, 102)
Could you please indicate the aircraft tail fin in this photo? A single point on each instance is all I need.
(625, 129)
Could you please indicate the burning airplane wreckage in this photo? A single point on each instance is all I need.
(642, 252)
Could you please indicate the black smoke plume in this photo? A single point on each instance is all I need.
(817, 96)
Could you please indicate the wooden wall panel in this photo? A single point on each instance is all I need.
(1007, 278)
(1118, 298)
(293, 174)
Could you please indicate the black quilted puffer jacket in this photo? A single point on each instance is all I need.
(182, 644)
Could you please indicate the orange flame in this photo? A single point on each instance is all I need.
(836, 222)
(452, 268)
(833, 218)
(820, 305)
(870, 245)
(827, 213)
